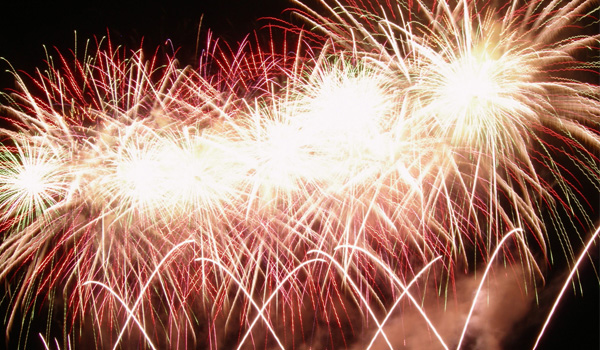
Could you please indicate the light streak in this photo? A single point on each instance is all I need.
(483, 278)
(129, 311)
(396, 133)
(405, 291)
(582, 256)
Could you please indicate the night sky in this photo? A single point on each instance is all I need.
(26, 28)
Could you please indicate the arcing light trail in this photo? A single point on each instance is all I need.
(314, 183)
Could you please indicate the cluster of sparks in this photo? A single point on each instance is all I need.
(369, 156)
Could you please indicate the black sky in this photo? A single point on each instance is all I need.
(25, 28)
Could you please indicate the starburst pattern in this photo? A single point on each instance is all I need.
(291, 193)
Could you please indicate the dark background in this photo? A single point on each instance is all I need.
(25, 28)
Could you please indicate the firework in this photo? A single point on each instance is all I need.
(303, 191)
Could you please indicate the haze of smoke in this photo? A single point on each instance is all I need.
(502, 303)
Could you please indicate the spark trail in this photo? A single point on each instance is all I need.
(307, 185)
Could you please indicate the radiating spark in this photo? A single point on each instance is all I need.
(397, 132)
(32, 179)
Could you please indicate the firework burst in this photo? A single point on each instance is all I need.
(299, 193)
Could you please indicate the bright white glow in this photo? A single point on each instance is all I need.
(32, 179)
(470, 86)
